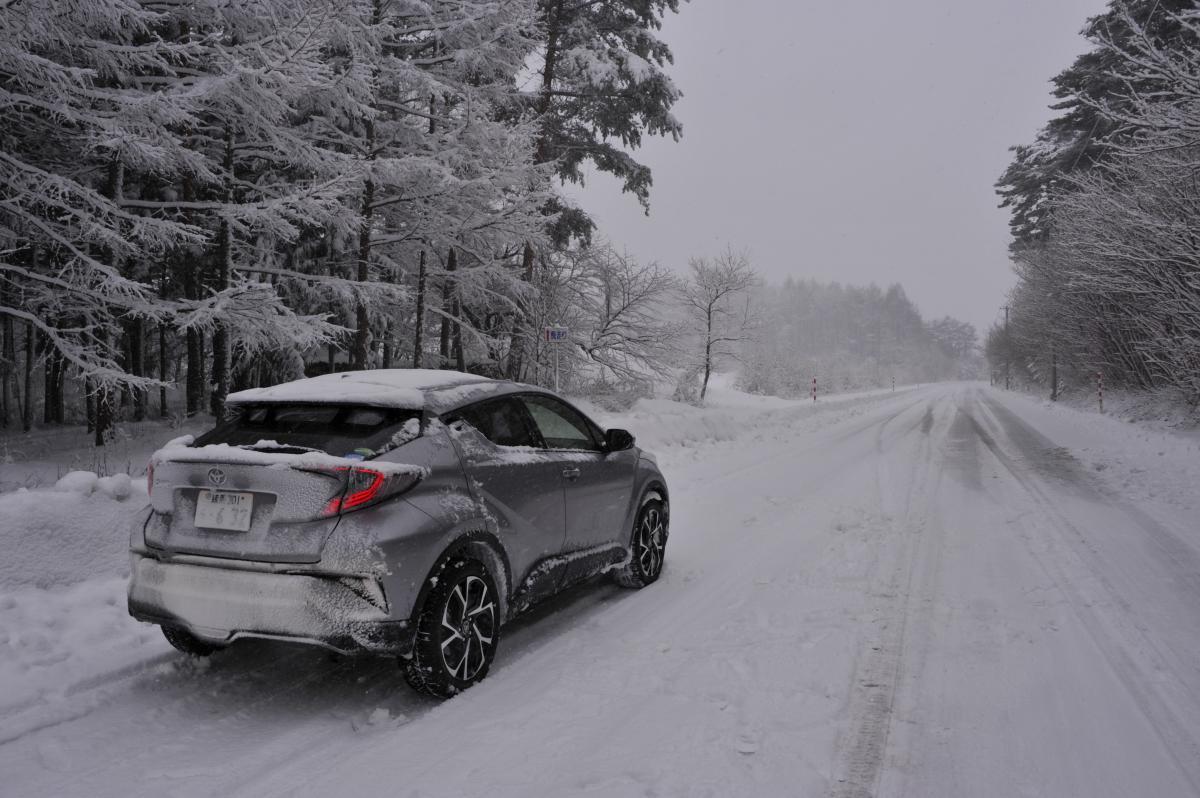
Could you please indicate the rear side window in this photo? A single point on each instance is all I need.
(339, 430)
(501, 421)
(561, 426)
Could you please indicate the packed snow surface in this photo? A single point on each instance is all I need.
(947, 591)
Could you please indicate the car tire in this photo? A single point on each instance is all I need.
(187, 642)
(458, 629)
(647, 547)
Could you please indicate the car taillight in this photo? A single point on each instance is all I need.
(366, 486)
(149, 477)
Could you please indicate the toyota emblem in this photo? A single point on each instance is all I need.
(216, 476)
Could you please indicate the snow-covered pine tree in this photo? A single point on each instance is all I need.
(71, 124)
(440, 170)
(1104, 216)
(599, 86)
(265, 182)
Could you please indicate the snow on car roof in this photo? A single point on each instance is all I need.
(403, 388)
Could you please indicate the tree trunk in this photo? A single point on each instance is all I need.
(543, 153)
(116, 190)
(60, 394)
(48, 382)
(195, 372)
(194, 342)
(447, 310)
(708, 336)
(27, 409)
(456, 311)
(553, 19)
(137, 358)
(362, 320)
(89, 405)
(220, 361)
(389, 329)
(419, 331)
(162, 350)
(516, 353)
(162, 370)
(104, 415)
(9, 355)
(221, 343)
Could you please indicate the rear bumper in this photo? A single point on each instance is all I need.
(220, 605)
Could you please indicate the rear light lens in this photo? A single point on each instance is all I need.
(149, 477)
(366, 486)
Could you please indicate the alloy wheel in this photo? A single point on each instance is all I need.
(651, 542)
(468, 628)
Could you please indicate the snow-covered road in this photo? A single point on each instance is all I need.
(948, 591)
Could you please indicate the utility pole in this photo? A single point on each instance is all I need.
(1007, 348)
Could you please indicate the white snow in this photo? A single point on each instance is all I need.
(402, 388)
(239, 455)
(117, 486)
(949, 590)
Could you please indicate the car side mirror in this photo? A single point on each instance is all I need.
(618, 440)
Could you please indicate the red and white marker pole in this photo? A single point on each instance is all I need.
(814, 389)
(1100, 388)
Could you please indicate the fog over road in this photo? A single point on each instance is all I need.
(914, 594)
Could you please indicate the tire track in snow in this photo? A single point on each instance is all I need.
(1156, 688)
(250, 694)
(653, 616)
(862, 749)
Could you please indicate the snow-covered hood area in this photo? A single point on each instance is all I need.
(400, 388)
(180, 450)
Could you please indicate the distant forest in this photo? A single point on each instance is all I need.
(851, 338)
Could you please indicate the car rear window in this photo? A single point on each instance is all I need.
(339, 430)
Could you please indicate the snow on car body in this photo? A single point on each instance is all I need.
(333, 510)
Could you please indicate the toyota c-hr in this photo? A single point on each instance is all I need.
(408, 513)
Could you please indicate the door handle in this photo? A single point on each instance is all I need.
(571, 473)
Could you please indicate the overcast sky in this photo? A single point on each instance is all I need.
(850, 141)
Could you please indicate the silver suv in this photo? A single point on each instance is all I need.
(399, 512)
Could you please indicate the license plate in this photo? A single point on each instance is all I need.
(222, 509)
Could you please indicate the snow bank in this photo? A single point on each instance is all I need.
(77, 530)
(85, 483)
(1163, 409)
(40, 458)
(1138, 459)
(55, 640)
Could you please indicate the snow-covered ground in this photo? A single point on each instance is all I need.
(946, 591)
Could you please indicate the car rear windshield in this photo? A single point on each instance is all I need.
(339, 430)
